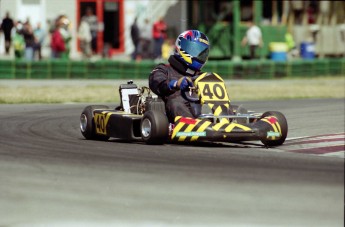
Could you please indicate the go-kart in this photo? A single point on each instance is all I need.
(141, 116)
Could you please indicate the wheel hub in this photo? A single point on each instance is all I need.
(83, 122)
(146, 128)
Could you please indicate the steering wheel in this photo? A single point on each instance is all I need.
(191, 95)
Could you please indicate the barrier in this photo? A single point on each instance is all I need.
(108, 69)
(7, 69)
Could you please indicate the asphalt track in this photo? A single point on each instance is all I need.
(51, 176)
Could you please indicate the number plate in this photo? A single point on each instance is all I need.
(212, 91)
(101, 121)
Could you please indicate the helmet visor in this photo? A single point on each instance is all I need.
(196, 50)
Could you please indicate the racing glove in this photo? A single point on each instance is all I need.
(183, 83)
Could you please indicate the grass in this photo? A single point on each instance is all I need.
(290, 89)
(239, 90)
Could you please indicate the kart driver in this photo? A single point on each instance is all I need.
(167, 81)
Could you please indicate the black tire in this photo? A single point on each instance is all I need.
(154, 127)
(239, 109)
(87, 124)
(283, 126)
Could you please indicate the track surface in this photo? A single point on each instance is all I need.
(51, 176)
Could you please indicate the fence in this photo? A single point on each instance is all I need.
(107, 69)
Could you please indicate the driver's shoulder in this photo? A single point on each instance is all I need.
(161, 66)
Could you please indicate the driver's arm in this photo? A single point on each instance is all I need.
(159, 81)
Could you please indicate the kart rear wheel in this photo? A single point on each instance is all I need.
(239, 109)
(87, 124)
(283, 126)
(154, 127)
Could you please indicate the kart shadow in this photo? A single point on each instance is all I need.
(194, 144)
(220, 144)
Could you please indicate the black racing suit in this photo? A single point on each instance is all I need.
(161, 75)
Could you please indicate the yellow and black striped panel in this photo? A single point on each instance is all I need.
(237, 126)
(225, 126)
(189, 128)
(274, 123)
(219, 109)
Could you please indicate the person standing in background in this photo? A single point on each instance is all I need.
(92, 20)
(30, 41)
(18, 40)
(145, 40)
(61, 38)
(84, 35)
(6, 26)
(159, 35)
(66, 35)
(167, 48)
(40, 36)
(57, 44)
(253, 38)
(135, 35)
(297, 7)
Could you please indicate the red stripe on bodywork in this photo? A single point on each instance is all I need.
(189, 121)
(272, 120)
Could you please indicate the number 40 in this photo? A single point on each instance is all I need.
(212, 90)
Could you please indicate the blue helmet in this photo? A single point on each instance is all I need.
(192, 48)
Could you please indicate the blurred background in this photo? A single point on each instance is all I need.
(299, 38)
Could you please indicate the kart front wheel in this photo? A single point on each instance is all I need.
(283, 129)
(87, 124)
(154, 127)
